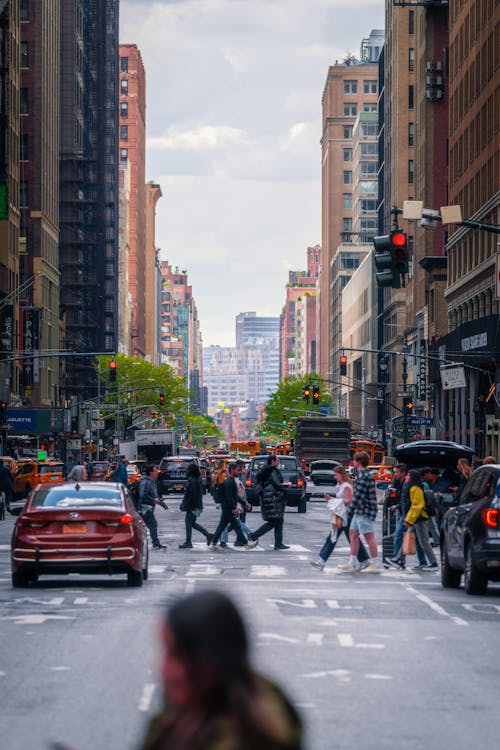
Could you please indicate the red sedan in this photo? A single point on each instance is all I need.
(79, 528)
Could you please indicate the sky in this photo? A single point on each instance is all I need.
(233, 122)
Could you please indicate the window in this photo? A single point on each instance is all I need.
(124, 64)
(347, 224)
(410, 97)
(411, 22)
(347, 177)
(123, 109)
(370, 107)
(124, 132)
(369, 149)
(23, 147)
(350, 110)
(350, 87)
(411, 133)
(23, 101)
(368, 205)
(24, 54)
(411, 58)
(368, 168)
(24, 10)
(347, 132)
(369, 87)
(124, 86)
(411, 171)
(347, 152)
(23, 193)
(348, 261)
(347, 200)
(123, 154)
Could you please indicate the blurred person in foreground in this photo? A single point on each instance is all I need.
(214, 700)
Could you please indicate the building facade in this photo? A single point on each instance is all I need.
(153, 273)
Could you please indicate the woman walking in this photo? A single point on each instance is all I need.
(418, 517)
(192, 504)
(343, 494)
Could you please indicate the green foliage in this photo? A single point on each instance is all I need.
(287, 401)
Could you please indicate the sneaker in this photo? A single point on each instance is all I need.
(393, 562)
(223, 544)
(186, 545)
(420, 566)
(317, 564)
(431, 566)
(371, 569)
(252, 542)
(282, 546)
(363, 565)
(209, 540)
(349, 568)
(237, 544)
(159, 546)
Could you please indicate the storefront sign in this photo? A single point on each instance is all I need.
(474, 342)
(30, 343)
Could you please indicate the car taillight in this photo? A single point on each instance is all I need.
(490, 517)
(393, 495)
(126, 518)
(248, 482)
(32, 524)
(300, 482)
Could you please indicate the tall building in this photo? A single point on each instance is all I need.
(88, 201)
(9, 195)
(132, 149)
(153, 273)
(39, 199)
(259, 337)
(351, 90)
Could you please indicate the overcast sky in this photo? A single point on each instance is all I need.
(233, 119)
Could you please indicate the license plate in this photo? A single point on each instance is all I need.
(74, 528)
(179, 487)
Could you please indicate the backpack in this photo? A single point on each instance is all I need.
(431, 503)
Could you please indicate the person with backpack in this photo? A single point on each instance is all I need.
(148, 500)
(192, 505)
(418, 517)
(272, 503)
(229, 509)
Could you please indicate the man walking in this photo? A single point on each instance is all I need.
(228, 499)
(272, 503)
(364, 507)
(6, 480)
(148, 499)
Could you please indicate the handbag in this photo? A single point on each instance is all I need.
(409, 543)
(337, 521)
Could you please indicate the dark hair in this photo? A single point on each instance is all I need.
(149, 468)
(271, 458)
(231, 466)
(362, 457)
(415, 477)
(193, 471)
(402, 467)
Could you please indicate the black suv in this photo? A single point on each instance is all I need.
(470, 533)
(172, 473)
(291, 471)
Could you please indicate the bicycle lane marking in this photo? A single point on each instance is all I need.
(433, 605)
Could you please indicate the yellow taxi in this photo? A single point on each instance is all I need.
(133, 473)
(34, 472)
(381, 472)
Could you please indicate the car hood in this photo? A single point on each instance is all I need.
(439, 453)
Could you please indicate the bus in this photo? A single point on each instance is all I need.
(248, 447)
(375, 450)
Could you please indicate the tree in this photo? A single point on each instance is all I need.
(288, 400)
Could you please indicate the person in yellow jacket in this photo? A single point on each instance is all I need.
(418, 517)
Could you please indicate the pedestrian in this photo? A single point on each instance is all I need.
(364, 507)
(489, 460)
(418, 518)
(121, 475)
(192, 504)
(89, 466)
(77, 474)
(228, 499)
(67, 466)
(6, 480)
(272, 503)
(242, 506)
(148, 500)
(429, 479)
(213, 698)
(343, 494)
(403, 505)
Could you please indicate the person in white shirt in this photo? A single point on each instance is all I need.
(339, 506)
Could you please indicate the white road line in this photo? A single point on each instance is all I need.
(59, 669)
(316, 638)
(378, 676)
(203, 570)
(81, 600)
(346, 640)
(278, 637)
(146, 696)
(268, 571)
(434, 605)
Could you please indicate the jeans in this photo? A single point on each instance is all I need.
(192, 524)
(227, 517)
(149, 519)
(398, 543)
(246, 529)
(273, 523)
(329, 546)
(422, 535)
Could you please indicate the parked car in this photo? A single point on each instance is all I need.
(291, 471)
(34, 472)
(321, 472)
(133, 473)
(470, 533)
(172, 473)
(79, 528)
(100, 469)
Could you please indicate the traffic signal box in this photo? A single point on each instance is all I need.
(343, 365)
(407, 406)
(161, 398)
(316, 395)
(306, 393)
(391, 258)
(112, 371)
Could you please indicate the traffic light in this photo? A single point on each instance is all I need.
(316, 394)
(407, 406)
(161, 398)
(3, 412)
(343, 365)
(285, 419)
(391, 258)
(399, 244)
(154, 417)
(383, 368)
(306, 392)
(112, 371)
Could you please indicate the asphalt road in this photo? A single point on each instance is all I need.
(385, 661)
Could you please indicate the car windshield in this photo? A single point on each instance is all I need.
(69, 497)
(321, 465)
(100, 465)
(171, 465)
(50, 468)
(132, 469)
(285, 464)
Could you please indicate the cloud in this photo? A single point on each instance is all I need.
(234, 125)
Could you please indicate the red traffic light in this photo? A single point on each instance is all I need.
(112, 371)
(343, 365)
(162, 398)
(398, 239)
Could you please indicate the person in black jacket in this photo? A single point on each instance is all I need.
(192, 504)
(228, 499)
(6, 480)
(272, 502)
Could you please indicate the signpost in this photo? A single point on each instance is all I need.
(452, 376)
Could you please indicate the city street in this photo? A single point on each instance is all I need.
(385, 661)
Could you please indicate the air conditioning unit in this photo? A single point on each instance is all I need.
(439, 94)
(429, 66)
(439, 64)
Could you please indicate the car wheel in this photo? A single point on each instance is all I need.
(302, 506)
(20, 579)
(474, 581)
(450, 577)
(135, 577)
(145, 570)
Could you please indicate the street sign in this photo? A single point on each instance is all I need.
(452, 377)
(405, 394)
(420, 420)
(324, 410)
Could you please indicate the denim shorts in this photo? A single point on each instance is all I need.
(362, 524)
